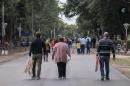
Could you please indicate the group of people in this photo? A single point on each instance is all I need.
(60, 55)
(85, 44)
(61, 51)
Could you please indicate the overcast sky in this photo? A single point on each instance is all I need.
(66, 20)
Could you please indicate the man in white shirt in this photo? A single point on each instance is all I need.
(83, 43)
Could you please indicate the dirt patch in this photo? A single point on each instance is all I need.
(13, 54)
(18, 50)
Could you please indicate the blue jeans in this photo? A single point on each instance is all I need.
(104, 61)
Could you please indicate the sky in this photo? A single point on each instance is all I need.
(63, 18)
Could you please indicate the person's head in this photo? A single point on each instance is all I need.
(61, 39)
(106, 34)
(38, 34)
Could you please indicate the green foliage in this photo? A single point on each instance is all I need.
(45, 14)
(95, 13)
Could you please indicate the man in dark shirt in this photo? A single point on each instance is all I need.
(103, 52)
(37, 48)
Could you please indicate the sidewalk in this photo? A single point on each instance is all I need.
(13, 54)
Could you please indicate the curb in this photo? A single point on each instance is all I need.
(4, 59)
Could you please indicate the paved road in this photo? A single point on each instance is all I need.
(80, 72)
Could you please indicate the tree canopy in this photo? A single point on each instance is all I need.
(93, 14)
(31, 14)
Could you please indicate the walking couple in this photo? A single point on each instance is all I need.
(60, 53)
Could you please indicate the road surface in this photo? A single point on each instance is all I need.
(80, 72)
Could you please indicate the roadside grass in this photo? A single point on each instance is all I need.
(121, 61)
(123, 65)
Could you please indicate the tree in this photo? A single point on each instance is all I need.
(95, 14)
(45, 15)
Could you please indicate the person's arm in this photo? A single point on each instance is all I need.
(53, 53)
(44, 47)
(68, 51)
(113, 50)
(30, 51)
(98, 49)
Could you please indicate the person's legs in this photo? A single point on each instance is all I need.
(47, 56)
(59, 65)
(88, 50)
(102, 67)
(34, 68)
(64, 70)
(107, 67)
(81, 49)
(44, 56)
(78, 51)
(39, 62)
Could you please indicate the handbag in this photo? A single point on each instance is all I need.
(68, 59)
(28, 66)
(97, 64)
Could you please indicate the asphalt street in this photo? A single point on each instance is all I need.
(80, 72)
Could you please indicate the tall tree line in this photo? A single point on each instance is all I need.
(93, 14)
(32, 15)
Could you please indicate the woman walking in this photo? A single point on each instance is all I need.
(60, 53)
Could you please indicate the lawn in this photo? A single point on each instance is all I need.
(123, 65)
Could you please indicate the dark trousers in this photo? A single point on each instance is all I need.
(61, 69)
(82, 48)
(46, 56)
(78, 51)
(88, 49)
(104, 61)
(37, 61)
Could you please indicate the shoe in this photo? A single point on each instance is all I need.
(102, 79)
(33, 77)
(60, 77)
(38, 78)
(107, 78)
(64, 77)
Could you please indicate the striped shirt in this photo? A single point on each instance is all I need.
(105, 46)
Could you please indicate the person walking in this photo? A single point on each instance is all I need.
(103, 53)
(60, 52)
(78, 47)
(37, 48)
(82, 44)
(88, 45)
(47, 51)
